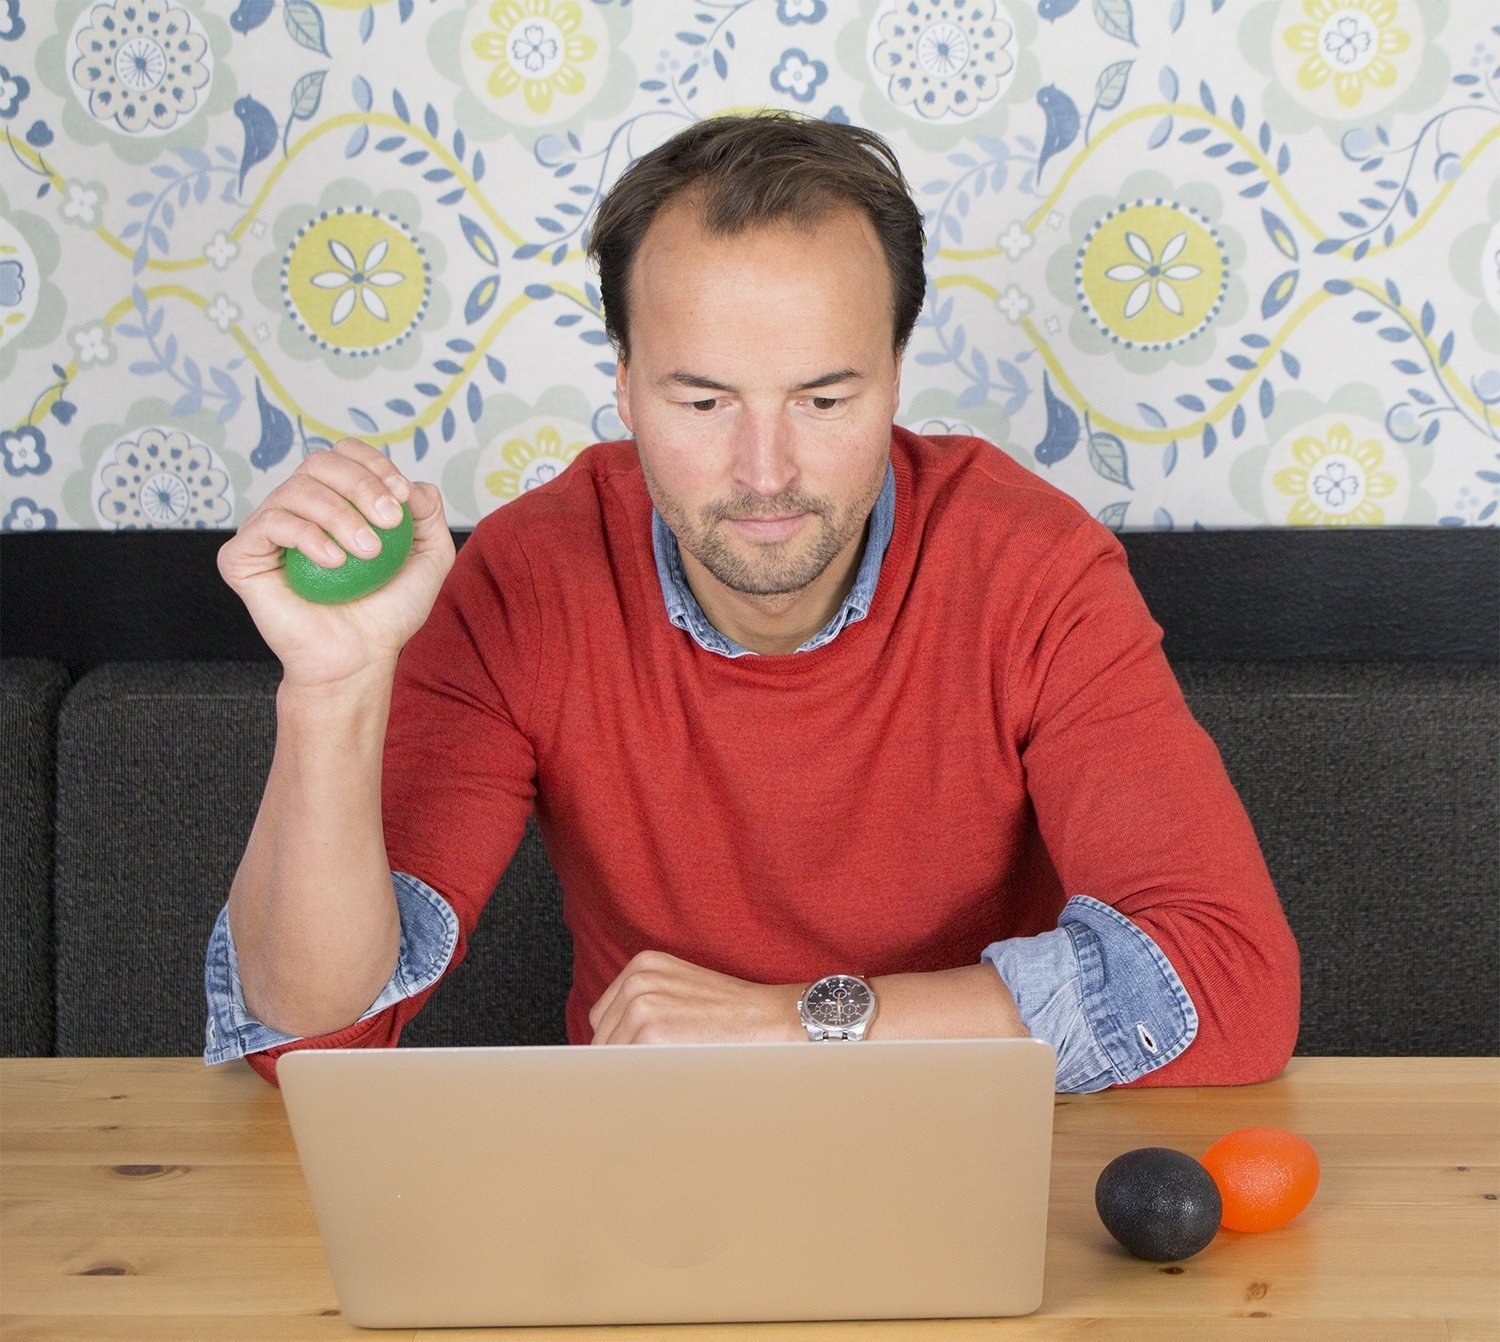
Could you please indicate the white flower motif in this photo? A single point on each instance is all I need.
(1014, 240)
(1013, 303)
(358, 282)
(1153, 273)
(24, 451)
(221, 251)
(81, 204)
(1053, 325)
(91, 343)
(940, 61)
(798, 75)
(10, 94)
(262, 331)
(1346, 41)
(800, 11)
(222, 313)
(162, 478)
(534, 48)
(139, 69)
(1336, 485)
(258, 229)
(1054, 219)
(24, 515)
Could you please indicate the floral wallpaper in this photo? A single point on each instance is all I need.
(1202, 263)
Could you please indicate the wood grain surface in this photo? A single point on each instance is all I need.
(156, 1200)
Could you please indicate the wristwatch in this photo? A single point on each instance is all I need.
(837, 1007)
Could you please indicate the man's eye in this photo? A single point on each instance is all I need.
(826, 402)
(705, 406)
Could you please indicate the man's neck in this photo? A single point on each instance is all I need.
(775, 625)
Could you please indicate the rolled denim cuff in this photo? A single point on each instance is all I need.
(429, 934)
(1101, 992)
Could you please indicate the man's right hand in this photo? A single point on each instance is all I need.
(322, 645)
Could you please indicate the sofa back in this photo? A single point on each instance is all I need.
(1373, 788)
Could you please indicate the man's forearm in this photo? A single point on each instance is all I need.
(660, 999)
(970, 1002)
(312, 910)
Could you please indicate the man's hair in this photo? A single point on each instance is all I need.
(749, 171)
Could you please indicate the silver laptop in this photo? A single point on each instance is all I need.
(676, 1184)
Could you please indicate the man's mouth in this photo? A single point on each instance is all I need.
(767, 530)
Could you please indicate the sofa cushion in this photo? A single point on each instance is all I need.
(30, 692)
(1373, 789)
(160, 770)
(161, 766)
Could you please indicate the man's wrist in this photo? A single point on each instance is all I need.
(970, 1002)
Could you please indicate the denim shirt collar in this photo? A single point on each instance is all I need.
(684, 611)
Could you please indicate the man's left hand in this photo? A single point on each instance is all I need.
(659, 999)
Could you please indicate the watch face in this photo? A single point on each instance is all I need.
(838, 1002)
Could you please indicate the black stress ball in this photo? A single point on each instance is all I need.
(1160, 1204)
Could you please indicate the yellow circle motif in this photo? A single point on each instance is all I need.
(1151, 274)
(356, 280)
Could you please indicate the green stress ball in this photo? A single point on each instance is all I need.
(355, 577)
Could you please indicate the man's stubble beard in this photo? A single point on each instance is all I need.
(774, 569)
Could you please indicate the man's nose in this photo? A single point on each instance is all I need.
(764, 456)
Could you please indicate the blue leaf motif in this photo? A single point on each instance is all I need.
(304, 21)
(1055, 9)
(1109, 90)
(481, 299)
(1279, 234)
(307, 95)
(1113, 516)
(1279, 293)
(275, 433)
(1117, 18)
(1062, 427)
(1108, 458)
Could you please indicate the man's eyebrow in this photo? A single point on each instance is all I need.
(682, 378)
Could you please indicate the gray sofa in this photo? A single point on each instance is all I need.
(129, 789)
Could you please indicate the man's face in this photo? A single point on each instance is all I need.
(761, 386)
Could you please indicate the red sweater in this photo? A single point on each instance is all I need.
(1001, 732)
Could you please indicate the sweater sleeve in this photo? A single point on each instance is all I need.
(1137, 811)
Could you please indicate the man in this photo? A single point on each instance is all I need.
(793, 693)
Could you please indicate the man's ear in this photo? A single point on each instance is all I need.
(622, 393)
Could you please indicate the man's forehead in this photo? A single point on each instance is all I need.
(686, 378)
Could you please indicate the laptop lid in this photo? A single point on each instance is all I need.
(678, 1183)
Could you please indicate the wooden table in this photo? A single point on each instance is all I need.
(156, 1200)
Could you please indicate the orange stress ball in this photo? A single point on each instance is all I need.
(1265, 1176)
